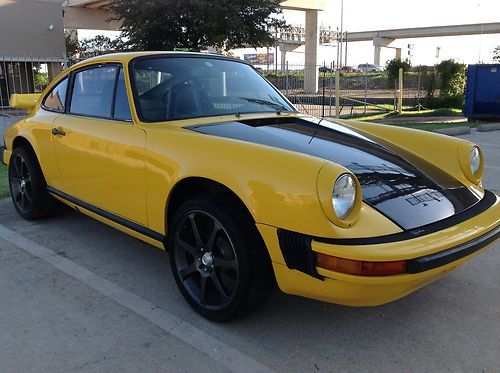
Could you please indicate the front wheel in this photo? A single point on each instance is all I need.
(218, 259)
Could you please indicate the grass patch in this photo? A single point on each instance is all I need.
(443, 112)
(4, 185)
(435, 125)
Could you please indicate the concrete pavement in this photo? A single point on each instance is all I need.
(61, 318)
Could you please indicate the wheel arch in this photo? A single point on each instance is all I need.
(192, 186)
(22, 141)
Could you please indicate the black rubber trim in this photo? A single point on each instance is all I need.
(444, 257)
(2, 150)
(105, 214)
(297, 252)
(488, 201)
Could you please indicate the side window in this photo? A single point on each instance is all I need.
(122, 108)
(56, 98)
(93, 92)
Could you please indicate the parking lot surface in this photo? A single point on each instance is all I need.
(78, 295)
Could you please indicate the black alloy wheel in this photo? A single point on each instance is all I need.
(20, 184)
(206, 260)
(218, 258)
(28, 188)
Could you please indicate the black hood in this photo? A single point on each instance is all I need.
(401, 186)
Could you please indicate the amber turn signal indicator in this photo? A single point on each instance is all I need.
(359, 267)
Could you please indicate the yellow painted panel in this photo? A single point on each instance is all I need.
(24, 101)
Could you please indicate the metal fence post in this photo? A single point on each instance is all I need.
(337, 93)
(418, 89)
(286, 79)
(324, 88)
(400, 93)
(330, 87)
(366, 88)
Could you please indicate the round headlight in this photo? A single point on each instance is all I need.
(475, 160)
(344, 196)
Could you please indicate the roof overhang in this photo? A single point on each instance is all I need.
(303, 4)
(89, 4)
(288, 4)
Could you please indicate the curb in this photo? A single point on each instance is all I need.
(488, 127)
(454, 131)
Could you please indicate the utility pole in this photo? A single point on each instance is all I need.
(341, 30)
(345, 63)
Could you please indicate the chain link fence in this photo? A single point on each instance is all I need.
(359, 92)
(340, 93)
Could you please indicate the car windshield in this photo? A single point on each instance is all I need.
(170, 88)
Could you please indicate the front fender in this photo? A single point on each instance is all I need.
(443, 151)
(278, 187)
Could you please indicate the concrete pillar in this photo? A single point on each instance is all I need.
(311, 52)
(376, 56)
(398, 53)
(283, 56)
(54, 69)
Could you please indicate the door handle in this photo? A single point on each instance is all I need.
(57, 131)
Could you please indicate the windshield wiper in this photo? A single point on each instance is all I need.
(278, 107)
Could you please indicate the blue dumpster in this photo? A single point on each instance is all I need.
(482, 92)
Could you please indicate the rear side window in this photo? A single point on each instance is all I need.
(93, 91)
(56, 98)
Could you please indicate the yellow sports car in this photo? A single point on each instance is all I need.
(200, 155)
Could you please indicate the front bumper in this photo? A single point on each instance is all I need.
(430, 257)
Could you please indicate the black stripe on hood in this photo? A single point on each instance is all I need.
(409, 191)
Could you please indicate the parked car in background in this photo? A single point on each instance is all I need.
(200, 155)
(325, 69)
(370, 67)
(349, 69)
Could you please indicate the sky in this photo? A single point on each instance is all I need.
(367, 15)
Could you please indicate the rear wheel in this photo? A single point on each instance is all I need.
(28, 188)
(218, 259)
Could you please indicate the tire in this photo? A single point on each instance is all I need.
(28, 188)
(229, 250)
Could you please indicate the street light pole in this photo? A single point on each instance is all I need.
(341, 29)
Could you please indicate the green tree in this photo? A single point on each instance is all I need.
(196, 24)
(452, 77)
(496, 54)
(72, 45)
(100, 44)
(393, 67)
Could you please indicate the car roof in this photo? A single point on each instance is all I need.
(125, 57)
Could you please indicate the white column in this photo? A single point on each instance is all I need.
(283, 56)
(311, 53)
(398, 53)
(376, 56)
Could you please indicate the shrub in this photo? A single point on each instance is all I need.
(430, 85)
(452, 77)
(446, 101)
(393, 67)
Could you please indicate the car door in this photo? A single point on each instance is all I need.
(99, 151)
